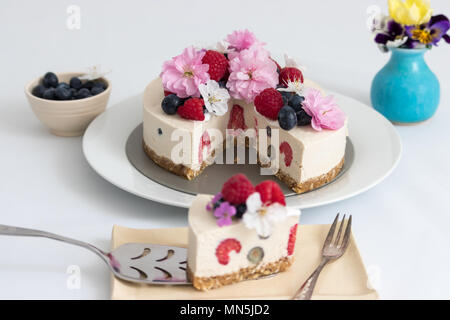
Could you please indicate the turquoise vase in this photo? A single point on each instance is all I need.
(405, 90)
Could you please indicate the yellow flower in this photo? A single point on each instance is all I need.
(410, 12)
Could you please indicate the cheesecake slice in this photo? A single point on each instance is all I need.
(229, 243)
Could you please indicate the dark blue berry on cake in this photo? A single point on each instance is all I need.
(286, 96)
(287, 119)
(240, 210)
(296, 102)
(50, 80)
(303, 119)
(171, 103)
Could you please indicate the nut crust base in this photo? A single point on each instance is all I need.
(312, 183)
(208, 283)
(188, 173)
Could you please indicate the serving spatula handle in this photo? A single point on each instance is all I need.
(17, 231)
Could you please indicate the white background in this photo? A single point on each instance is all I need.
(402, 226)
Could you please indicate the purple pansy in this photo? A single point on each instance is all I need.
(430, 33)
(224, 212)
(392, 32)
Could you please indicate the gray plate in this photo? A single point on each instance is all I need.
(213, 177)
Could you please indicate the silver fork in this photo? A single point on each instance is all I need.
(331, 251)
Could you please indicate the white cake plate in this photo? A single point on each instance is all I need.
(377, 151)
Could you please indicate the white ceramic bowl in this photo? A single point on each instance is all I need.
(67, 118)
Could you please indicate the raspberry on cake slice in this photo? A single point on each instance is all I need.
(243, 232)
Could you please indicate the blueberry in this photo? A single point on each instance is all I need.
(171, 103)
(63, 93)
(223, 83)
(99, 84)
(83, 93)
(63, 84)
(255, 255)
(296, 102)
(96, 90)
(286, 96)
(159, 131)
(50, 80)
(303, 118)
(240, 210)
(75, 83)
(287, 119)
(49, 94)
(38, 91)
(88, 85)
(73, 92)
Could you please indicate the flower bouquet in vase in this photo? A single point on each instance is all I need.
(405, 90)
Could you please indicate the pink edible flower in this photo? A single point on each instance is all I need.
(184, 73)
(251, 71)
(324, 111)
(241, 39)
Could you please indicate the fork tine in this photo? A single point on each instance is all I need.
(347, 233)
(331, 232)
(336, 241)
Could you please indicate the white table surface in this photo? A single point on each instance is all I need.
(402, 226)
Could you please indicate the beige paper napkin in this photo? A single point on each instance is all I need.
(345, 278)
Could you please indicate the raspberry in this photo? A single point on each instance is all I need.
(292, 237)
(166, 93)
(270, 192)
(192, 109)
(225, 247)
(218, 64)
(237, 189)
(290, 74)
(204, 142)
(287, 150)
(237, 120)
(269, 102)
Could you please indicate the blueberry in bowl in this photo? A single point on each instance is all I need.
(65, 103)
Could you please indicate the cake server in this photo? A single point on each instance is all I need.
(134, 262)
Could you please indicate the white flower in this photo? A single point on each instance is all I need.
(215, 97)
(263, 218)
(291, 62)
(222, 47)
(293, 86)
(378, 23)
(93, 73)
(396, 43)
